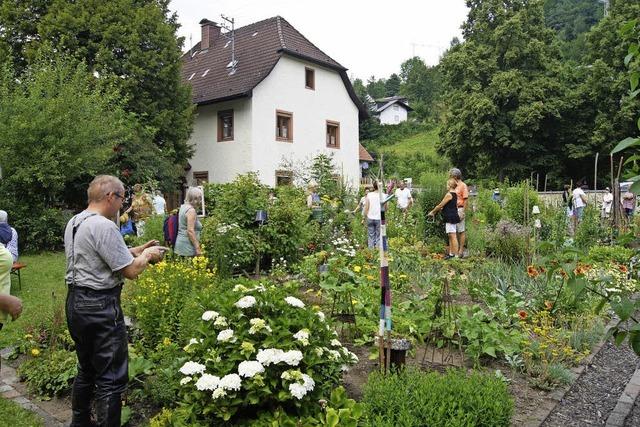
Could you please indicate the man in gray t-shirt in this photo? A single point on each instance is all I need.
(98, 261)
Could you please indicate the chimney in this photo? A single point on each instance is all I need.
(210, 33)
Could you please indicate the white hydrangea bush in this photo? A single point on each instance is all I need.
(258, 348)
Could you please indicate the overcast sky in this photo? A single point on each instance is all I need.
(369, 37)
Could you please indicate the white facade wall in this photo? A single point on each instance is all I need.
(393, 115)
(284, 89)
(223, 160)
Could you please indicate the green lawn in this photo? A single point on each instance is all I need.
(424, 143)
(42, 288)
(14, 415)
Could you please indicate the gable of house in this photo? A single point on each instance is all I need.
(257, 49)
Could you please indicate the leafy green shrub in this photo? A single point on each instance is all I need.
(433, 227)
(514, 203)
(590, 230)
(261, 349)
(232, 238)
(618, 254)
(414, 398)
(507, 241)
(160, 294)
(488, 209)
(49, 374)
(39, 229)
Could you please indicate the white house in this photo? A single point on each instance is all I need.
(282, 99)
(392, 110)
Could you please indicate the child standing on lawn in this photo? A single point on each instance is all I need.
(449, 209)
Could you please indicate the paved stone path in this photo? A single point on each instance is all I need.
(12, 389)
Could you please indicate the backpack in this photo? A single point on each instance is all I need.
(170, 229)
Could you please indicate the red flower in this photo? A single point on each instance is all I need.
(532, 271)
(522, 314)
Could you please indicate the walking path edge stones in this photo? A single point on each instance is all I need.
(625, 402)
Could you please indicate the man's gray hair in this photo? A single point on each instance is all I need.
(193, 196)
(4, 217)
(455, 173)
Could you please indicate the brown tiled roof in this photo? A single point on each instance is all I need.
(258, 47)
(364, 154)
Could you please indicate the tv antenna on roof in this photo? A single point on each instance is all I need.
(230, 35)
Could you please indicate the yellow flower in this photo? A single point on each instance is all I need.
(35, 352)
(370, 277)
(357, 268)
(166, 342)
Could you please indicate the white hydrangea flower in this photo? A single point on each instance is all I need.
(321, 316)
(352, 357)
(319, 351)
(308, 382)
(226, 335)
(246, 302)
(295, 302)
(249, 368)
(221, 322)
(185, 380)
(292, 357)
(260, 288)
(258, 325)
(191, 368)
(193, 341)
(290, 375)
(302, 336)
(336, 343)
(210, 315)
(297, 390)
(230, 382)
(207, 382)
(219, 392)
(334, 355)
(269, 356)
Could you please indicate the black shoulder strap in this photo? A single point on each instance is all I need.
(73, 246)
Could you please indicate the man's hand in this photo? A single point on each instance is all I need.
(154, 253)
(137, 251)
(11, 305)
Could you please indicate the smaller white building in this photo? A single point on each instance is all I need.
(392, 110)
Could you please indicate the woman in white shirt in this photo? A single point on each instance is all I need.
(372, 213)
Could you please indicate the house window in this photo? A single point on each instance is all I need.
(309, 78)
(284, 178)
(284, 126)
(396, 118)
(395, 107)
(225, 125)
(333, 134)
(201, 178)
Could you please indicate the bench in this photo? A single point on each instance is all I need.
(15, 270)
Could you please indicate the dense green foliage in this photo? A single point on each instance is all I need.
(414, 398)
(572, 19)
(57, 130)
(504, 99)
(50, 374)
(130, 45)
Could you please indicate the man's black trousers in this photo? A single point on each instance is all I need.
(96, 324)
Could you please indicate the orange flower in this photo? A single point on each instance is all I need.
(548, 305)
(532, 271)
(523, 314)
(438, 256)
(623, 268)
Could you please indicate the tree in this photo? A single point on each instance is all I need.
(421, 85)
(503, 93)
(130, 44)
(57, 131)
(572, 19)
(607, 84)
(376, 88)
(392, 85)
